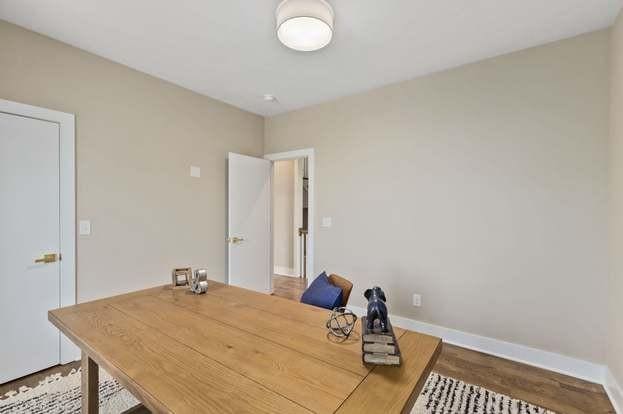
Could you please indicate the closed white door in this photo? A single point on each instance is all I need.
(29, 229)
(249, 222)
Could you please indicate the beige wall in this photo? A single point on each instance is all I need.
(615, 351)
(136, 139)
(483, 188)
(283, 213)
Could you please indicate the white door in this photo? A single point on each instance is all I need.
(29, 229)
(249, 229)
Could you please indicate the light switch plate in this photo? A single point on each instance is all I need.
(85, 227)
(195, 171)
(326, 222)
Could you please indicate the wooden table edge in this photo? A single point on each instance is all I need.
(408, 407)
(415, 393)
(92, 361)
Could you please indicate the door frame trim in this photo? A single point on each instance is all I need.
(308, 153)
(67, 195)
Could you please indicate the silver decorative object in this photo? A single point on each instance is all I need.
(199, 281)
(341, 323)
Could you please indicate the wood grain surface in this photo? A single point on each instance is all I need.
(237, 351)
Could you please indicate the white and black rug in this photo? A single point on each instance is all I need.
(441, 395)
(444, 395)
(57, 394)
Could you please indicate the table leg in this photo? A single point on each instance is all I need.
(90, 385)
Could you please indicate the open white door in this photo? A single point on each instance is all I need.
(249, 230)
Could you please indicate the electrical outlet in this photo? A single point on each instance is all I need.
(417, 300)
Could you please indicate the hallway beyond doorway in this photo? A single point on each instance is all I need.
(289, 287)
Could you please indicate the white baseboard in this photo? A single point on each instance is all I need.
(285, 271)
(551, 361)
(615, 391)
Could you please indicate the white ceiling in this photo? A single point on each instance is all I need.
(227, 49)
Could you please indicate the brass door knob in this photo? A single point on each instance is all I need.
(235, 240)
(48, 258)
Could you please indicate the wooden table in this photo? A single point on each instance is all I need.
(236, 351)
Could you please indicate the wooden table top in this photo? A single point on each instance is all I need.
(237, 351)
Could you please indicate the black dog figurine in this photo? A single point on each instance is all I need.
(376, 308)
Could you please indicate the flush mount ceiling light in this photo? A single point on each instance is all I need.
(304, 25)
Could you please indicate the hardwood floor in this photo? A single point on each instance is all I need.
(289, 287)
(559, 393)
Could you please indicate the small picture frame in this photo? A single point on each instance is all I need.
(181, 276)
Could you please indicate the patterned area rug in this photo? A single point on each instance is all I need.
(444, 395)
(57, 394)
(441, 395)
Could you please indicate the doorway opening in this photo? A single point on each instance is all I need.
(290, 226)
(291, 222)
(252, 221)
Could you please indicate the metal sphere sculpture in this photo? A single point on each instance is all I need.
(341, 323)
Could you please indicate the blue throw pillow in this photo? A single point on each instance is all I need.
(322, 293)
